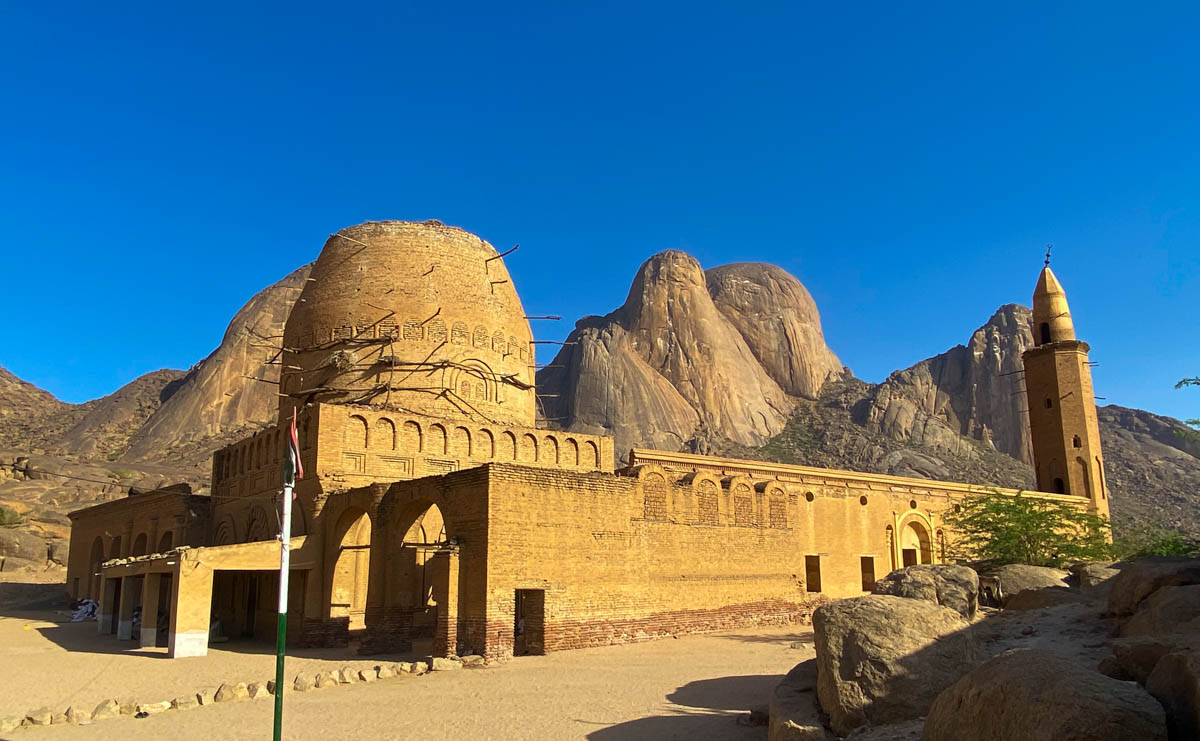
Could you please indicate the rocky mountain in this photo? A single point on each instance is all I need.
(957, 416)
(230, 391)
(690, 357)
(729, 360)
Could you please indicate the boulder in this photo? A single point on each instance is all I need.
(9, 723)
(1136, 657)
(439, 664)
(956, 587)
(232, 692)
(21, 544)
(474, 660)
(153, 708)
(1141, 578)
(106, 709)
(1093, 574)
(128, 706)
(303, 683)
(39, 717)
(1168, 610)
(76, 717)
(59, 719)
(403, 667)
(367, 675)
(383, 671)
(1036, 599)
(1038, 695)
(1014, 578)
(883, 659)
(205, 697)
(1175, 682)
(419, 667)
(793, 714)
(346, 675)
(326, 679)
(256, 690)
(185, 702)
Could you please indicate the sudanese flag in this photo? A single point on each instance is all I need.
(292, 467)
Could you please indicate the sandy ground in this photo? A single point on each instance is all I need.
(692, 688)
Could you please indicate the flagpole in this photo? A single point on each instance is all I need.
(292, 469)
(281, 629)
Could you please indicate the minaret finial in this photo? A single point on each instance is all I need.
(1048, 248)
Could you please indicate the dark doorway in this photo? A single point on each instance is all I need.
(868, 572)
(1045, 331)
(910, 556)
(1060, 486)
(812, 573)
(529, 622)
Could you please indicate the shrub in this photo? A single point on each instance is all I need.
(9, 518)
(1154, 540)
(999, 528)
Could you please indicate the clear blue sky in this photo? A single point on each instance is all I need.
(159, 165)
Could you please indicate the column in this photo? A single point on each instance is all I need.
(131, 597)
(191, 608)
(107, 610)
(445, 632)
(151, 586)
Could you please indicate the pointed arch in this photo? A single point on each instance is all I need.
(385, 434)
(356, 432)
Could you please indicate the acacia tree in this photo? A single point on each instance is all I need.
(1193, 434)
(999, 528)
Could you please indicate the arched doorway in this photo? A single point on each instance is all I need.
(139, 545)
(351, 566)
(96, 559)
(915, 544)
(423, 575)
(166, 542)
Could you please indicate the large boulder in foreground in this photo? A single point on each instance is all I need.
(1168, 610)
(1037, 695)
(1015, 578)
(1144, 577)
(883, 659)
(1175, 682)
(794, 714)
(1094, 573)
(956, 587)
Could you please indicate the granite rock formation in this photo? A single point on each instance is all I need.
(691, 357)
(230, 390)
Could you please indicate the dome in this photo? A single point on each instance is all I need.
(419, 317)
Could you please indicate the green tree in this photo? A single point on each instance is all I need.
(1153, 540)
(1193, 434)
(999, 528)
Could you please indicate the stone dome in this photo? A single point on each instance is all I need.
(420, 317)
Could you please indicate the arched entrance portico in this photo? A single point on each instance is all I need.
(350, 568)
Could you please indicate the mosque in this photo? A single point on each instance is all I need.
(433, 507)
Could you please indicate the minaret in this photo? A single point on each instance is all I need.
(1062, 406)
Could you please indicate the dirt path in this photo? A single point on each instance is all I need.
(689, 688)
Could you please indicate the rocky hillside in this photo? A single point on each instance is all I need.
(691, 356)
(728, 360)
(159, 429)
(230, 391)
(957, 416)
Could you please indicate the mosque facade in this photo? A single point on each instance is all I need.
(434, 508)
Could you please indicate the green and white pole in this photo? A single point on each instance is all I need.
(285, 533)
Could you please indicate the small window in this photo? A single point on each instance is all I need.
(868, 573)
(1059, 486)
(809, 496)
(1045, 330)
(863, 500)
(1077, 442)
(812, 573)
(912, 504)
(1049, 403)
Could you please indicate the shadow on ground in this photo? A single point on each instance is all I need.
(710, 708)
(727, 693)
